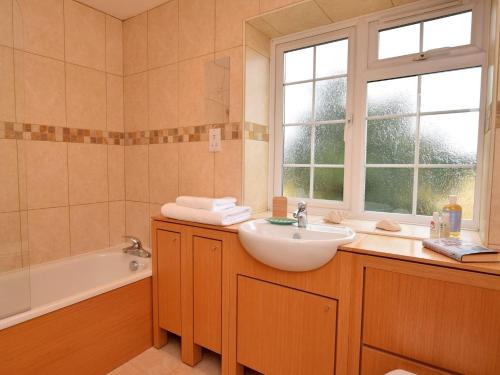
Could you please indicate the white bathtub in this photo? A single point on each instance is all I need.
(57, 284)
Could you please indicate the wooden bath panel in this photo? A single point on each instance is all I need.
(91, 337)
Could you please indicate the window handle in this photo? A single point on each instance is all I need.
(348, 124)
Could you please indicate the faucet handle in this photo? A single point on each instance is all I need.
(302, 206)
(136, 243)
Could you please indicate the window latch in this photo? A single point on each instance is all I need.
(421, 57)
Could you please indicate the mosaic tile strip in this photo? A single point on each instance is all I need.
(229, 131)
(256, 132)
(13, 130)
(34, 132)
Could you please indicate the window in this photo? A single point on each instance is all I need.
(421, 142)
(314, 91)
(449, 31)
(394, 138)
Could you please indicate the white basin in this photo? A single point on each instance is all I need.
(290, 248)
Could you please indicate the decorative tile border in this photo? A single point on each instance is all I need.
(33, 132)
(14, 130)
(229, 131)
(256, 132)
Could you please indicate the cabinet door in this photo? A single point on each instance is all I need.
(207, 289)
(285, 331)
(169, 280)
(445, 324)
(376, 362)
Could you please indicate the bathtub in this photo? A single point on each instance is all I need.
(57, 284)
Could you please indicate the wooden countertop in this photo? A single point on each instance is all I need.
(376, 245)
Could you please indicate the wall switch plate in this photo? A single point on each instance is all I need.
(214, 140)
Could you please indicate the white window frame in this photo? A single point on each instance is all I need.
(364, 67)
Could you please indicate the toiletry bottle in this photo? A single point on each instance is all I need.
(455, 212)
(444, 225)
(434, 228)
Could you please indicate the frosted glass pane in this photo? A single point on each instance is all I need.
(389, 190)
(329, 183)
(299, 65)
(391, 141)
(449, 139)
(331, 59)
(297, 145)
(298, 103)
(435, 184)
(399, 41)
(331, 99)
(457, 89)
(329, 144)
(296, 182)
(448, 31)
(392, 97)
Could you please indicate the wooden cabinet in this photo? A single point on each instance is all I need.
(169, 280)
(376, 362)
(207, 266)
(444, 319)
(285, 331)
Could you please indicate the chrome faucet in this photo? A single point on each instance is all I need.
(301, 215)
(136, 248)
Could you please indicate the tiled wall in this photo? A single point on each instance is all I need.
(61, 131)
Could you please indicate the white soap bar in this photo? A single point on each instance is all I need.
(389, 225)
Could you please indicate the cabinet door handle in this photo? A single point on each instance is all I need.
(213, 248)
(327, 308)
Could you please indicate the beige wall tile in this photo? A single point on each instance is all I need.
(40, 94)
(494, 233)
(163, 97)
(235, 82)
(163, 34)
(196, 28)
(256, 174)
(192, 91)
(256, 87)
(7, 98)
(196, 169)
(10, 262)
(135, 44)
(24, 237)
(39, 27)
(114, 45)
(154, 209)
(10, 233)
(163, 172)
(341, 10)
(89, 227)
(229, 17)
(136, 102)
(268, 5)
(136, 173)
(46, 165)
(116, 223)
(6, 34)
(228, 170)
(138, 221)
(85, 35)
(9, 182)
(116, 173)
(88, 177)
(86, 97)
(22, 174)
(48, 234)
(114, 101)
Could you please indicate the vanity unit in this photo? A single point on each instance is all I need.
(379, 304)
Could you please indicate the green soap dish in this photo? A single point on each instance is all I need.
(281, 220)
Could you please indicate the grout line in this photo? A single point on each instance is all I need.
(107, 117)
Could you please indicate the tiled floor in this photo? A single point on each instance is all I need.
(166, 361)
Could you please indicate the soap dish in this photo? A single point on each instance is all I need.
(281, 220)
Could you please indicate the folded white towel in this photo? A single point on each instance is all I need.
(209, 204)
(227, 217)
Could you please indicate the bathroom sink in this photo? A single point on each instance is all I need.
(290, 248)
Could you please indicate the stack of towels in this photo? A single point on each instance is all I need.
(220, 211)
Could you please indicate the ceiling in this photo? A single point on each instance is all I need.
(122, 9)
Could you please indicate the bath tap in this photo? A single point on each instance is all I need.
(301, 215)
(136, 248)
